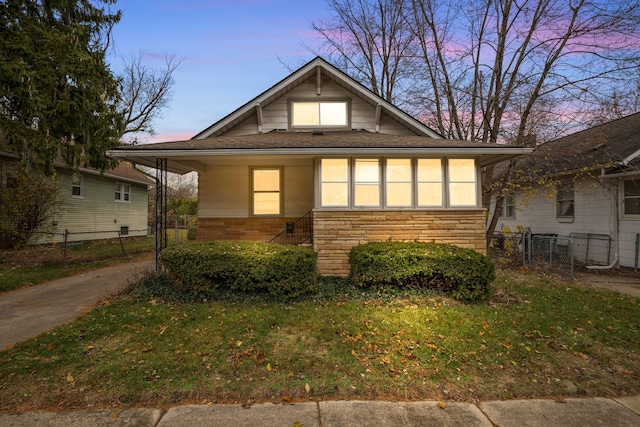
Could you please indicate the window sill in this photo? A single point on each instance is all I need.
(565, 220)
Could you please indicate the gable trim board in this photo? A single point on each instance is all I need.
(259, 134)
(316, 68)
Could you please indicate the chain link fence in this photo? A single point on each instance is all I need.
(548, 252)
(75, 246)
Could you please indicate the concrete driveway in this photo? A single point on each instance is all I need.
(28, 312)
(614, 282)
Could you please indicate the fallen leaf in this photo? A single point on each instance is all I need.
(126, 350)
(70, 378)
(307, 387)
(269, 367)
(441, 405)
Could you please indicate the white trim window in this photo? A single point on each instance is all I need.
(632, 197)
(122, 192)
(508, 210)
(398, 183)
(334, 183)
(266, 191)
(366, 185)
(565, 203)
(319, 114)
(76, 186)
(409, 183)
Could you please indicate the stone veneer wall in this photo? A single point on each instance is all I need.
(335, 233)
(256, 229)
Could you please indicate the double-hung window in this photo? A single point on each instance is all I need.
(430, 183)
(76, 186)
(565, 201)
(462, 182)
(334, 183)
(266, 191)
(399, 183)
(632, 197)
(122, 192)
(367, 183)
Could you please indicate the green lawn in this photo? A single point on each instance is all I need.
(32, 265)
(559, 339)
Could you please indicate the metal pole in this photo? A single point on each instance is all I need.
(635, 266)
(160, 211)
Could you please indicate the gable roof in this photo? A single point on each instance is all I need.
(317, 67)
(216, 141)
(123, 171)
(614, 146)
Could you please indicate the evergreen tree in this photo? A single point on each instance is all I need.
(57, 94)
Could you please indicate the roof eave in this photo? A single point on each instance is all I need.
(487, 155)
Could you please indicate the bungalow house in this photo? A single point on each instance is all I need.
(320, 145)
(94, 205)
(585, 186)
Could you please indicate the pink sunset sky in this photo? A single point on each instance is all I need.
(231, 51)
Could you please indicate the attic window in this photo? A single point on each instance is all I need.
(305, 114)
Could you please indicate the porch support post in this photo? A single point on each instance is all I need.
(161, 211)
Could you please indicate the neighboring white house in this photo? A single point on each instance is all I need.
(95, 205)
(597, 199)
(319, 145)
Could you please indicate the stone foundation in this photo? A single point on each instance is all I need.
(335, 233)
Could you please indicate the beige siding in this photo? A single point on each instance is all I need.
(224, 190)
(275, 115)
(97, 215)
(390, 126)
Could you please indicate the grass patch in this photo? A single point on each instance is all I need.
(538, 338)
(32, 265)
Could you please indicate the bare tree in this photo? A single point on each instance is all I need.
(502, 70)
(370, 39)
(144, 93)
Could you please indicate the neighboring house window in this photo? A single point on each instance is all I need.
(123, 192)
(462, 182)
(399, 183)
(407, 183)
(632, 197)
(334, 182)
(320, 114)
(565, 201)
(508, 206)
(76, 186)
(266, 191)
(367, 183)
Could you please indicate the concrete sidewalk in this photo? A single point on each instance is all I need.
(28, 312)
(548, 413)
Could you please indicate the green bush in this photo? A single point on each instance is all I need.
(239, 266)
(462, 273)
(192, 233)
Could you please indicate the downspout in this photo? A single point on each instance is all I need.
(616, 233)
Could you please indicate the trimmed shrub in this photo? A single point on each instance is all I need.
(192, 233)
(239, 266)
(462, 273)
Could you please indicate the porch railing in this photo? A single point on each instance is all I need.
(297, 232)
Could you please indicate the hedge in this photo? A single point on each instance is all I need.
(241, 266)
(462, 273)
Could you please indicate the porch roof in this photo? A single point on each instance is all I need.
(186, 156)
